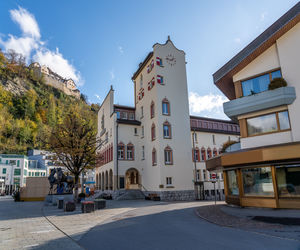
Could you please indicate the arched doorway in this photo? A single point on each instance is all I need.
(132, 179)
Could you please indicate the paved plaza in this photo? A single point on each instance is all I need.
(136, 225)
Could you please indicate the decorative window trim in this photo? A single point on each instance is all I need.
(196, 150)
(154, 157)
(168, 149)
(203, 154)
(121, 144)
(153, 132)
(132, 151)
(152, 110)
(166, 123)
(209, 153)
(160, 80)
(215, 152)
(165, 100)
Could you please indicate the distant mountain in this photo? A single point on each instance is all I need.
(29, 108)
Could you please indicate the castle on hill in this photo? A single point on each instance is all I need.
(51, 78)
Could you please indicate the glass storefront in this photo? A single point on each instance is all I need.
(233, 188)
(258, 181)
(288, 180)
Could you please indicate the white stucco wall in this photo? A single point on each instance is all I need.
(289, 54)
(266, 61)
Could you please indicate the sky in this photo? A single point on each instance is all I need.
(101, 43)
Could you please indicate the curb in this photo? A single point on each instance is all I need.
(241, 229)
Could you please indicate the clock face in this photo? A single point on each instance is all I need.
(170, 59)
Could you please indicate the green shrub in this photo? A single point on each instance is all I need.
(277, 83)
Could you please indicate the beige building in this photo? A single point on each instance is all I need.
(68, 86)
(262, 83)
(149, 146)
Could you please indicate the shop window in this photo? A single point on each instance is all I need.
(232, 183)
(288, 180)
(258, 182)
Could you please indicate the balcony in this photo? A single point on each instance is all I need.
(261, 101)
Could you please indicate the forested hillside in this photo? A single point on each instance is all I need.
(29, 109)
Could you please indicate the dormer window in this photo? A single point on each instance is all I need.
(260, 83)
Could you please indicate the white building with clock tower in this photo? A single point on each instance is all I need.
(149, 146)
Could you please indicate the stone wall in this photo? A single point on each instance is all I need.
(61, 86)
(184, 195)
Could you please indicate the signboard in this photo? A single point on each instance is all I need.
(213, 176)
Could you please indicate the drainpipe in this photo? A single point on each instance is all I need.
(117, 139)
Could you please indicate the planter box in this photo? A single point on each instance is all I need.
(69, 206)
(87, 206)
(156, 198)
(100, 203)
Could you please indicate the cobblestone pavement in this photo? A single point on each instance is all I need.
(31, 225)
(222, 216)
(22, 226)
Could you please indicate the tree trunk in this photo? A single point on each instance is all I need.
(76, 187)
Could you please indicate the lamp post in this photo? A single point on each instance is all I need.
(195, 167)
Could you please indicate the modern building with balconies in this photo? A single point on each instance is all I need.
(262, 83)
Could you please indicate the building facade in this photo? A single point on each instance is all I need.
(262, 83)
(14, 169)
(149, 146)
(68, 86)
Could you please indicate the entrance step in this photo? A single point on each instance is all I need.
(131, 194)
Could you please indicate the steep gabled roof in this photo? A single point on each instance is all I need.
(223, 77)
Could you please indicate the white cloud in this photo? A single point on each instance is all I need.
(263, 16)
(56, 62)
(112, 74)
(22, 45)
(26, 21)
(30, 43)
(237, 40)
(207, 105)
(120, 48)
(98, 97)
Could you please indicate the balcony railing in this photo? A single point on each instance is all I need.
(261, 101)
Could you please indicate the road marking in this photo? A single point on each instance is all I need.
(34, 245)
(41, 232)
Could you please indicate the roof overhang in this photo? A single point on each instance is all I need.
(223, 77)
(255, 156)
